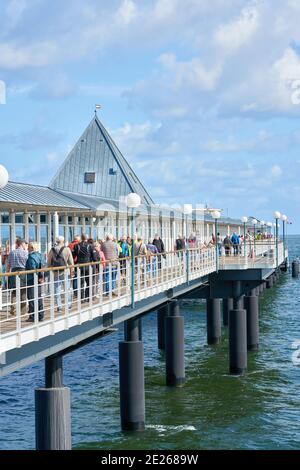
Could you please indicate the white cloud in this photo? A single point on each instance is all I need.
(237, 33)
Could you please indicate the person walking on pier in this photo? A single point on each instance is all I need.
(227, 245)
(34, 261)
(83, 251)
(16, 261)
(160, 248)
(72, 246)
(151, 258)
(235, 242)
(111, 253)
(60, 256)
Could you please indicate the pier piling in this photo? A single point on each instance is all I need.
(52, 409)
(131, 375)
(295, 268)
(174, 324)
(213, 320)
(237, 333)
(227, 305)
(162, 312)
(252, 308)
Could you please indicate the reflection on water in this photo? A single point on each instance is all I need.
(212, 411)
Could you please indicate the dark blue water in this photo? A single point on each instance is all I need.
(260, 410)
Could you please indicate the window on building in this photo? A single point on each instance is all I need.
(89, 177)
(111, 171)
(5, 218)
(43, 218)
(19, 218)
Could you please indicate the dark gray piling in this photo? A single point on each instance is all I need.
(227, 305)
(269, 282)
(174, 324)
(237, 341)
(252, 309)
(295, 268)
(213, 320)
(131, 376)
(161, 332)
(53, 409)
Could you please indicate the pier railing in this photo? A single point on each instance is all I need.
(39, 303)
(35, 304)
(252, 254)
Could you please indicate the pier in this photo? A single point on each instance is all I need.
(95, 192)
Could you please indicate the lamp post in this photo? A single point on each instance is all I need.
(262, 224)
(244, 220)
(133, 201)
(284, 220)
(3, 183)
(255, 222)
(216, 215)
(276, 216)
(187, 210)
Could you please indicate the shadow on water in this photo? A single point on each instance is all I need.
(213, 410)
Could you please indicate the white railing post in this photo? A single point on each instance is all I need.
(18, 309)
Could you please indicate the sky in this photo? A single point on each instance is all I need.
(202, 96)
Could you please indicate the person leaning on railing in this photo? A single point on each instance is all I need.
(34, 261)
(60, 256)
(16, 261)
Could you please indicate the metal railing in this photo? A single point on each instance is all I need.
(252, 254)
(35, 304)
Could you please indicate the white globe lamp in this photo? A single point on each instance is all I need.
(3, 176)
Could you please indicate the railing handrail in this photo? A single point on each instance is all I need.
(93, 263)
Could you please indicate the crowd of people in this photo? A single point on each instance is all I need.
(82, 252)
(105, 257)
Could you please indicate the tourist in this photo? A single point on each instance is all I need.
(179, 243)
(151, 260)
(160, 248)
(83, 251)
(123, 254)
(34, 261)
(235, 242)
(72, 246)
(219, 243)
(60, 256)
(111, 253)
(227, 245)
(16, 261)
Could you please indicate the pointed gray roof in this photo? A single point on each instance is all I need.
(96, 152)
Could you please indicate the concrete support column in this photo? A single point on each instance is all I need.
(52, 409)
(227, 306)
(162, 313)
(174, 324)
(237, 333)
(252, 309)
(213, 320)
(270, 282)
(131, 375)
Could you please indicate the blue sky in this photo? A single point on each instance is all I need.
(202, 97)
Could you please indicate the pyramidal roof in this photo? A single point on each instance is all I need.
(96, 167)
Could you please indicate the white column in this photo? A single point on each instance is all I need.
(92, 226)
(49, 231)
(83, 223)
(26, 234)
(38, 229)
(66, 231)
(12, 230)
(207, 232)
(228, 230)
(55, 225)
(75, 219)
(99, 228)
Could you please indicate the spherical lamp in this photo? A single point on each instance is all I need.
(133, 200)
(3, 177)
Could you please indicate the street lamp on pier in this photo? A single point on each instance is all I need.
(255, 222)
(276, 216)
(133, 201)
(284, 221)
(244, 220)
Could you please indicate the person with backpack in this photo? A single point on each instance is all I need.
(235, 242)
(34, 261)
(60, 256)
(84, 253)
